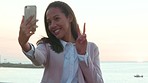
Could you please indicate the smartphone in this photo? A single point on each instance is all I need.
(30, 10)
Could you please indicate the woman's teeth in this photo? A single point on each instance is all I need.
(56, 31)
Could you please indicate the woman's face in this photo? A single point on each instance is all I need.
(59, 24)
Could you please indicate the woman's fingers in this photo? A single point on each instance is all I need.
(84, 29)
(28, 20)
(81, 42)
(78, 30)
(33, 29)
(22, 20)
(22, 23)
(32, 24)
(82, 39)
(29, 26)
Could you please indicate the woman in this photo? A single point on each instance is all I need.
(65, 53)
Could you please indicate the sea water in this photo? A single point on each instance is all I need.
(125, 72)
(113, 72)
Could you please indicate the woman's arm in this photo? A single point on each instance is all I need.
(37, 55)
(91, 71)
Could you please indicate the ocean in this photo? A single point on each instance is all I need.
(113, 72)
(124, 72)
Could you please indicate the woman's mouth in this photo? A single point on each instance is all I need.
(56, 32)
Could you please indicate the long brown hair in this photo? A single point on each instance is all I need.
(55, 43)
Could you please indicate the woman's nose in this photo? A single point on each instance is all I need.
(53, 24)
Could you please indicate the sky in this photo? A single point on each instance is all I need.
(118, 27)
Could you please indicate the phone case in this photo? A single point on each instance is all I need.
(30, 10)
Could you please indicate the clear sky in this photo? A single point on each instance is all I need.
(118, 27)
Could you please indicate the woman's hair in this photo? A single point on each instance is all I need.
(55, 43)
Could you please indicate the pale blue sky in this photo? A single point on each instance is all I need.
(118, 27)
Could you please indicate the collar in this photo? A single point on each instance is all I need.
(64, 43)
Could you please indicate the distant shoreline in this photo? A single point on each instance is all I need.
(19, 65)
(123, 62)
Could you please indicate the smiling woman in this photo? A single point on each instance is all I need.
(65, 53)
(128, 17)
(118, 27)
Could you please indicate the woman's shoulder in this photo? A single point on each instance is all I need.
(43, 41)
(42, 45)
(92, 44)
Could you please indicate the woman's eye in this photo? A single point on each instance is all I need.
(57, 18)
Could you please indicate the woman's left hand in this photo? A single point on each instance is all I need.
(81, 42)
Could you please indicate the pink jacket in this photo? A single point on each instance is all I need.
(53, 63)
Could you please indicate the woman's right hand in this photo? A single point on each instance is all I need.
(27, 29)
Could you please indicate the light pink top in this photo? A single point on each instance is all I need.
(53, 63)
